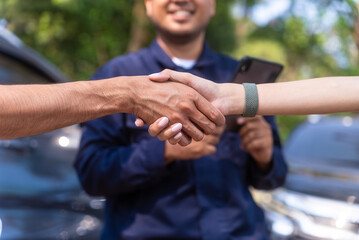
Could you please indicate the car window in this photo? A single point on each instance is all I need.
(331, 142)
(41, 164)
(14, 72)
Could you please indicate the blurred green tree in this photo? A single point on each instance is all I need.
(79, 36)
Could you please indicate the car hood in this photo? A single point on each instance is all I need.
(330, 181)
(24, 223)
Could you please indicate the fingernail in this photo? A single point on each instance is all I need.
(177, 127)
(137, 123)
(153, 75)
(163, 122)
(178, 136)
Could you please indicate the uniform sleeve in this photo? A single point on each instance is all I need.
(109, 164)
(275, 176)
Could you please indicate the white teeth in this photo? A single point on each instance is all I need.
(182, 13)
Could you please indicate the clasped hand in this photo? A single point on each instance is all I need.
(218, 95)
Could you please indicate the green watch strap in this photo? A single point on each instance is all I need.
(251, 98)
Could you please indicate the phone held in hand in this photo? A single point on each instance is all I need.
(252, 70)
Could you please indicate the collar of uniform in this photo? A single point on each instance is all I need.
(206, 58)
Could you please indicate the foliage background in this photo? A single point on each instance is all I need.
(311, 38)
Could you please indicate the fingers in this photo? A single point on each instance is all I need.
(185, 140)
(192, 131)
(159, 77)
(156, 127)
(211, 112)
(188, 112)
(163, 132)
(167, 74)
(208, 89)
(250, 137)
(208, 117)
(175, 139)
(253, 145)
(139, 122)
(219, 130)
(248, 124)
(211, 139)
(256, 134)
(172, 133)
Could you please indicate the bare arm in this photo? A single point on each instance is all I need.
(311, 96)
(33, 109)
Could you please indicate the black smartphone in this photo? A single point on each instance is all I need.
(253, 70)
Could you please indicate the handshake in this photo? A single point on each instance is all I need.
(191, 106)
(197, 106)
(179, 106)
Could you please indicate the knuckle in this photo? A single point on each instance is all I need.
(185, 106)
(184, 142)
(215, 116)
(210, 128)
(161, 137)
(172, 141)
(198, 136)
(151, 132)
(176, 117)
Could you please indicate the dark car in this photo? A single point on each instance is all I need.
(40, 196)
(320, 199)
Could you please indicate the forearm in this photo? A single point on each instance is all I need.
(34, 109)
(312, 96)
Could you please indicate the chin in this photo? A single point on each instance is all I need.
(183, 34)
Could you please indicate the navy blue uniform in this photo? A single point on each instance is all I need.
(207, 198)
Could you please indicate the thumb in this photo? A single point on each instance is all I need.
(180, 77)
(139, 122)
(159, 77)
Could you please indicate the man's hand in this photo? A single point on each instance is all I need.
(257, 140)
(227, 97)
(178, 102)
(195, 150)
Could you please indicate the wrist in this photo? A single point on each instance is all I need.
(233, 97)
(264, 166)
(129, 98)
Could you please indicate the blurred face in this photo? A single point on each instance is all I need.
(180, 17)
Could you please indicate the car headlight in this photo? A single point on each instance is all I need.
(280, 225)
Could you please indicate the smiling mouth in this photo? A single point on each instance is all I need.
(182, 13)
